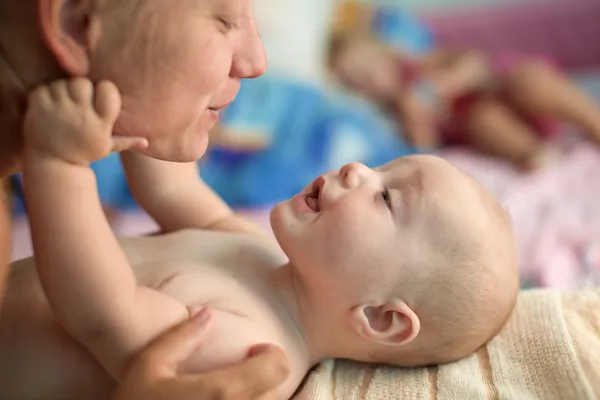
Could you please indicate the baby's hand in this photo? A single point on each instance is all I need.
(72, 121)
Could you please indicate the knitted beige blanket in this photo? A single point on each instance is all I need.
(550, 349)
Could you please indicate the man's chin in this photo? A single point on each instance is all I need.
(181, 155)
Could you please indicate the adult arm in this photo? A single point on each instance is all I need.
(153, 374)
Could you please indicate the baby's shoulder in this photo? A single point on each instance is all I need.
(219, 249)
(197, 266)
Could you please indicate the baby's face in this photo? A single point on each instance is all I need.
(356, 229)
(365, 66)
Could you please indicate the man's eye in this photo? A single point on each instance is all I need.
(386, 197)
(228, 26)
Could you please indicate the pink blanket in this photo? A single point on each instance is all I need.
(556, 214)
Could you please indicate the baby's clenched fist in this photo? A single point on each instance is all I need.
(72, 120)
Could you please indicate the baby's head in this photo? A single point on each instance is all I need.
(366, 65)
(412, 263)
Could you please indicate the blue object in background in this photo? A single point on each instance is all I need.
(112, 184)
(18, 202)
(291, 116)
(401, 29)
(310, 133)
(111, 181)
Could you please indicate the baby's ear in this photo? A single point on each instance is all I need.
(393, 323)
(70, 29)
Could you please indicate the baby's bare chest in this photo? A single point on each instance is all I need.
(227, 274)
(230, 274)
(199, 268)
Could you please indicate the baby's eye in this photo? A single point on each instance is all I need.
(386, 197)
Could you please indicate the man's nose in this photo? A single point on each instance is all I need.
(250, 60)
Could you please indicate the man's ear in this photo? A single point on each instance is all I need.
(70, 28)
(393, 323)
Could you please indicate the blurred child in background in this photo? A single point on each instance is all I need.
(505, 107)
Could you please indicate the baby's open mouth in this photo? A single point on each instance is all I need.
(313, 197)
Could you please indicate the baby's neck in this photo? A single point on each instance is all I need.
(306, 346)
(315, 335)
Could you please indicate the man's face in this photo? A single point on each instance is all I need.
(177, 64)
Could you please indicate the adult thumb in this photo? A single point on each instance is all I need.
(175, 346)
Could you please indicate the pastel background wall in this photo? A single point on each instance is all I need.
(295, 31)
(433, 4)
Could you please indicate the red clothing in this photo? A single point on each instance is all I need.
(453, 132)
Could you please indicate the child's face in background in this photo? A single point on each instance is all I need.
(367, 67)
(369, 225)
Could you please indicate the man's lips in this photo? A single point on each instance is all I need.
(220, 107)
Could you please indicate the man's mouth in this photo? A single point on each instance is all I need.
(219, 107)
(313, 198)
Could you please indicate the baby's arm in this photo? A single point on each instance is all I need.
(177, 198)
(85, 274)
(417, 121)
(459, 72)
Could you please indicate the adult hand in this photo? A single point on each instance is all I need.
(153, 375)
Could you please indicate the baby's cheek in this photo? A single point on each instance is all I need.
(347, 231)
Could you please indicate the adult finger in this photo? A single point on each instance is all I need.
(171, 349)
(122, 143)
(259, 375)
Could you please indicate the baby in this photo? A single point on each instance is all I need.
(504, 106)
(410, 264)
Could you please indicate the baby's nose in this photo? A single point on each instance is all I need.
(352, 173)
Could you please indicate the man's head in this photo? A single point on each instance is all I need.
(176, 63)
(365, 65)
(411, 263)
